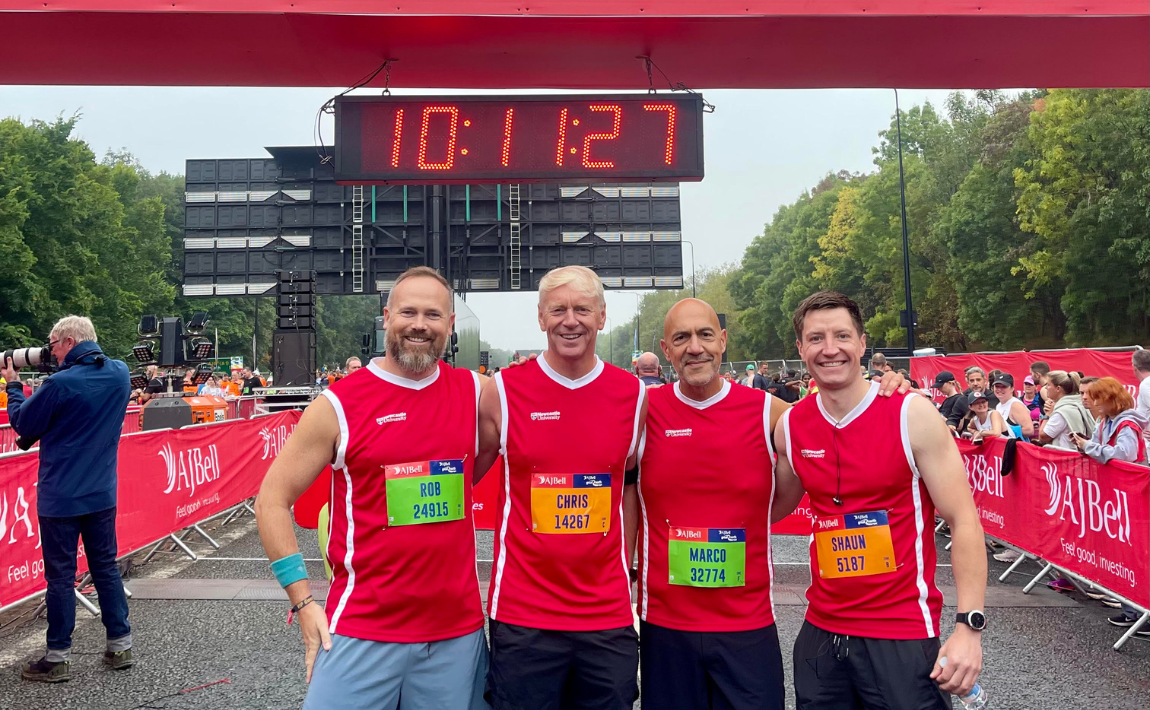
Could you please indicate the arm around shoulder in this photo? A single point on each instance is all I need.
(490, 428)
(789, 489)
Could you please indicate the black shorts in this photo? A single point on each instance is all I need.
(836, 672)
(536, 669)
(693, 670)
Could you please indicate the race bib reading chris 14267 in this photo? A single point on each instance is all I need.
(570, 503)
(854, 545)
(424, 492)
(707, 557)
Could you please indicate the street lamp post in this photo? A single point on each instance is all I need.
(692, 266)
(610, 342)
(905, 241)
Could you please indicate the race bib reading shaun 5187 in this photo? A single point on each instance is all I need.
(424, 492)
(854, 545)
(570, 502)
(707, 557)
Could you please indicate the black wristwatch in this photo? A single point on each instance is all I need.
(975, 619)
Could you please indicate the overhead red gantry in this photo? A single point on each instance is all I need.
(579, 44)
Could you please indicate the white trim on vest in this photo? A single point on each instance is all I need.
(919, 523)
(724, 390)
(646, 526)
(501, 563)
(349, 511)
(852, 414)
(403, 381)
(567, 381)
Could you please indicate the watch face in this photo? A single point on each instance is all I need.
(976, 620)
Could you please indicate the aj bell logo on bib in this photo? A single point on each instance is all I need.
(813, 453)
(401, 417)
(673, 433)
(545, 416)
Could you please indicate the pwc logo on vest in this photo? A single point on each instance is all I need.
(1082, 499)
(813, 453)
(388, 419)
(545, 416)
(674, 433)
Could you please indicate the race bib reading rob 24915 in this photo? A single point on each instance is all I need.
(570, 503)
(424, 492)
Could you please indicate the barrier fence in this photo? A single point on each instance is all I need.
(168, 480)
(1096, 363)
(1075, 515)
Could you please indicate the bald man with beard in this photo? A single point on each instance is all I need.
(706, 487)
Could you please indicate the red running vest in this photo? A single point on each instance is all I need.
(405, 583)
(706, 466)
(868, 455)
(559, 438)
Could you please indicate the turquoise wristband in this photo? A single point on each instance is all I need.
(289, 570)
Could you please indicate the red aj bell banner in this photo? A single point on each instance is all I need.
(167, 481)
(1095, 363)
(1091, 519)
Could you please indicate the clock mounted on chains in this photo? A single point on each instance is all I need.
(492, 139)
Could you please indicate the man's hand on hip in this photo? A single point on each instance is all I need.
(313, 624)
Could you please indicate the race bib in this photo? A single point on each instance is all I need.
(424, 492)
(854, 545)
(570, 503)
(707, 557)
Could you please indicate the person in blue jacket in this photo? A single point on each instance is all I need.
(76, 415)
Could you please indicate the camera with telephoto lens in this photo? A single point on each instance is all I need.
(36, 358)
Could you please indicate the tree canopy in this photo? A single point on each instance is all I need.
(1028, 219)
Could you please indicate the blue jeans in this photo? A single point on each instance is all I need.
(59, 538)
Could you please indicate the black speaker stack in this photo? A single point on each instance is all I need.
(293, 348)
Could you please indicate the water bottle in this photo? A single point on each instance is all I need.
(975, 700)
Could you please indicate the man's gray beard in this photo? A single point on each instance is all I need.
(414, 363)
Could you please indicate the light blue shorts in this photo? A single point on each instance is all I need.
(371, 675)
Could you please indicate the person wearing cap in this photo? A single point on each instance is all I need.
(1011, 408)
(984, 421)
(954, 408)
(1032, 397)
(749, 376)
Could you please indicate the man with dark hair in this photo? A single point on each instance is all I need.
(955, 407)
(1040, 371)
(762, 380)
(875, 468)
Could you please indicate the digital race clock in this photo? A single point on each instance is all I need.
(493, 139)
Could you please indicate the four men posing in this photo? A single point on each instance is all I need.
(595, 464)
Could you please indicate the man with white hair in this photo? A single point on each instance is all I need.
(403, 618)
(567, 425)
(76, 415)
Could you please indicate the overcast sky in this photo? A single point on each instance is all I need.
(763, 148)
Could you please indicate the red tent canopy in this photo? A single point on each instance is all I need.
(579, 43)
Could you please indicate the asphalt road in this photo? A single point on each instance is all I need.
(241, 654)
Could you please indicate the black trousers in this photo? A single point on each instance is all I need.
(836, 672)
(693, 670)
(537, 669)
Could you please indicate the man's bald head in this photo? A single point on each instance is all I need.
(693, 341)
(689, 308)
(648, 364)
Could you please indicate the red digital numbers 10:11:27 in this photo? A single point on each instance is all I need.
(578, 139)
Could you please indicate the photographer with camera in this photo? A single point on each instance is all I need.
(77, 415)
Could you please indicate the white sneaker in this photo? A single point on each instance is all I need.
(1007, 556)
